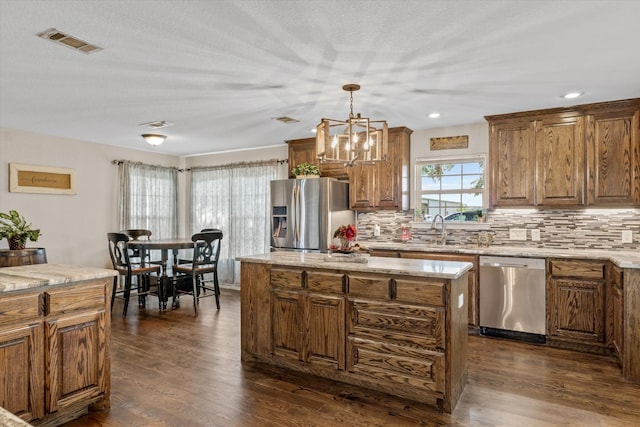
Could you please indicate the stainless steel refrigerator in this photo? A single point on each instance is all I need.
(306, 212)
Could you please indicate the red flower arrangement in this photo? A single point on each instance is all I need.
(346, 234)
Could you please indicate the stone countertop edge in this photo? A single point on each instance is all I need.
(37, 275)
(380, 265)
(7, 419)
(623, 259)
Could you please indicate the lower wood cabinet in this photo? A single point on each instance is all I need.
(576, 302)
(615, 311)
(472, 276)
(55, 346)
(393, 333)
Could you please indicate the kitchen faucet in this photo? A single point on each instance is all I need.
(443, 236)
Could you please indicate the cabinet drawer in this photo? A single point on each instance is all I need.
(374, 287)
(425, 291)
(570, 268)
(397, 364)
(18, 308)
(419, 327)
(79, 297)
(325, 282)
(286, 278)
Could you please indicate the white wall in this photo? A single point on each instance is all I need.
(73, 227)
(420, 147)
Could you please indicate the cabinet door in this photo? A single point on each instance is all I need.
(21, 371)
(392, 179)
(286, 324)
(512, 159)
(304, 151)
(613, 147)
(615, 304)
(325, 330)
(75, 359)
(560, 158)
(577, 310)
(362, 186)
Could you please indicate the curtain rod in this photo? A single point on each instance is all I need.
(119, 162)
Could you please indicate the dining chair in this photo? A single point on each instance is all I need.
(206, 253)
(137, 234)
(119, 253)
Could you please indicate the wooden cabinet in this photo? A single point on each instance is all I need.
(307, 322)
(511, 156)
(55, 344)
(76, 343)
(384, 185)
(472, 275)
(304, 151)
(560, 158)
(576, 302)
(538, 158)
(615, 312)
(22, 356)
(395, 333)
(613, 153)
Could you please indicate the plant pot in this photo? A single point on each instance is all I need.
(307, 176)
(13, 258)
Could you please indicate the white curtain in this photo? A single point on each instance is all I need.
(235, 199)
(148, 198)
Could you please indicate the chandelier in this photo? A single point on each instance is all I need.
(351, 141)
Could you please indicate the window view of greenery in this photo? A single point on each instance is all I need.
(454, 189)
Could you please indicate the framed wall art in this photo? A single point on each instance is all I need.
(41, 179)
(449, 142)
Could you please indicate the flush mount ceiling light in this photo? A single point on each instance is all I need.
(351, 141)
(154, 138)
(572, 95)
(63, 39)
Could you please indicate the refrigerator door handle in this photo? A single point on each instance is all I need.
(295, 214)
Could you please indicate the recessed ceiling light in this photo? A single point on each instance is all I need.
(434, 115)
(572, 95)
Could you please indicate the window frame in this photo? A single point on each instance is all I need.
(463, 158)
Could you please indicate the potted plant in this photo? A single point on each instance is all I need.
(15, 228)
(306, 170)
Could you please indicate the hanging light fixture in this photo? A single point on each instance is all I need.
(351, 141)
(154, 138)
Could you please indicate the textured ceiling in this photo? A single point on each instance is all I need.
(222, 70)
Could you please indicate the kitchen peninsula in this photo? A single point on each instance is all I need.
(55, 328)
(393, 325)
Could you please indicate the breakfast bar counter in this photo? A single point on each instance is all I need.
(55, 329)
(393, 325)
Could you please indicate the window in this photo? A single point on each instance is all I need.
(234, 198)
(148, 198)
(452, 187)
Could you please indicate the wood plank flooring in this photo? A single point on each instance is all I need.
(174, 369)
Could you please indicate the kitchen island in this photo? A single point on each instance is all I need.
(393, 325)
(55, 327)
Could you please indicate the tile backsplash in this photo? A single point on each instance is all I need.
(561, 228)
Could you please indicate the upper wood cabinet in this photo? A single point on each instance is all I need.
(304, 151)
(613, 155)
(582, 155)
(384, 185)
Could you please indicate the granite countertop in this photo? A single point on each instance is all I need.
(37, 275)
(7, 419)
(397, 266)
(623, 259)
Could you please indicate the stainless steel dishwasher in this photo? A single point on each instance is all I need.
(512, 297)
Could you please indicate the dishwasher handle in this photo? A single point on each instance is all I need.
(512, 262)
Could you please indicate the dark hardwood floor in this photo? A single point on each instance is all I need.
(174, 369)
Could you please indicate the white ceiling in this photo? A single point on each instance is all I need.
(222, 70)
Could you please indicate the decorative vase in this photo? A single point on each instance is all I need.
(16, 244)
(345, 244)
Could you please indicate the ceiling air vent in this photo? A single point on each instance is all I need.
(159, 124)
(69, 41)
(287, 120)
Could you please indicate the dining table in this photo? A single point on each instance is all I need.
(164, 246)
